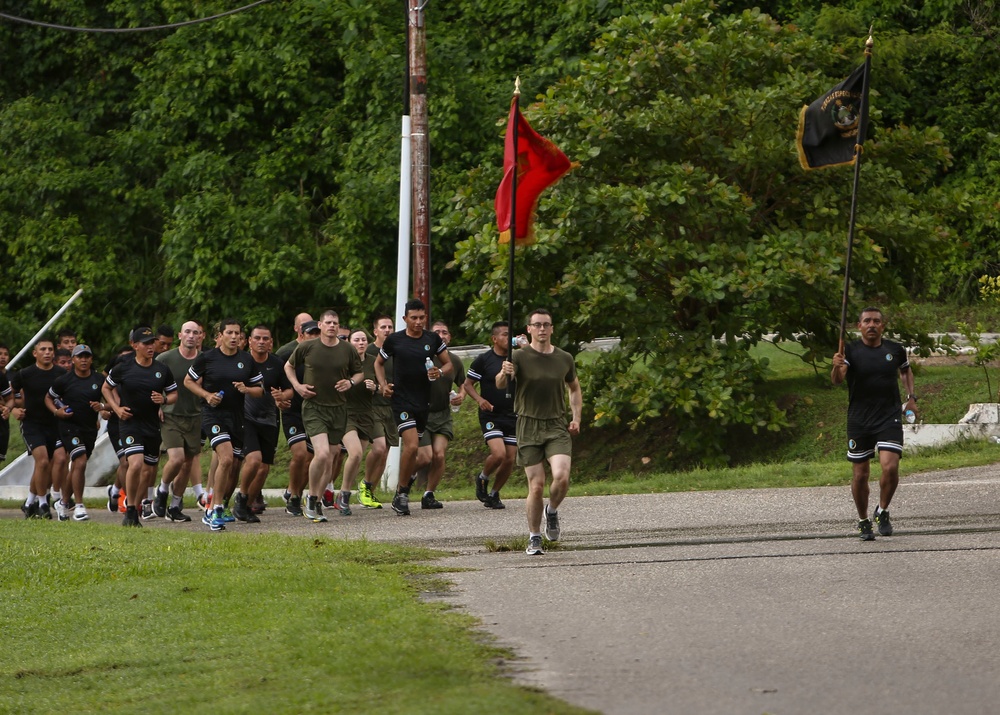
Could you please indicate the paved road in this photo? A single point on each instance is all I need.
(752, 601)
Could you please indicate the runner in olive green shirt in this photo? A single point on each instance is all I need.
(332, 367)
(542, 373)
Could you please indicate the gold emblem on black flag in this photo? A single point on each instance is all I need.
(828, 128)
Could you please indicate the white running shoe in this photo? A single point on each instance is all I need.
(80, 513)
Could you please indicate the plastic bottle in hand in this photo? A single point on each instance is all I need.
(910, 416)
(59, 404)
(429, 364)
(452, 395)
(220, 394)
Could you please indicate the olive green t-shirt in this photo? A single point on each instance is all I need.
(441, 388)
(359, 397)
(325, 366)
(540, 382)
(378, 400)
(188, 404)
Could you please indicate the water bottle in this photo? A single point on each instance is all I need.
(521, 341)
(429, 364)
(452, 395)
(220, 394)
(910, 416)
(59, 404)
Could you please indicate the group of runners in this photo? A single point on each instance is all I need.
(331, 391)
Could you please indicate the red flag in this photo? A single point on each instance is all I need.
(540, 164)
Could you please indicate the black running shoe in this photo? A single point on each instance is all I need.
(401, 504)
(294, 506)
(44, 512)
(160, 504)
(482, 489)
(493, 502)
(240, 510)
(865, 530)
(147, 509)
(131, 517)
(252, 518)
(174, 513)
(427, 501)
(30, 510)
(113, 501)
(882, 519)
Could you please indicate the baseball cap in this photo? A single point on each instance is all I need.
(82, 350)
(143, 335)
(310, 326)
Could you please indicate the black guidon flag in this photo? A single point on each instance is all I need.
(828, 128)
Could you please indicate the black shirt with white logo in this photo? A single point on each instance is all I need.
(33, 383)
(262, 410)
(873, 385)
(136, 384)
(411, 388)
(77, 393)
(484, 370)
(219, 371)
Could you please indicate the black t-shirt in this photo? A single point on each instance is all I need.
(262, 410)
(33, 383)
(219, 371)
(136, 383)
(78, 392)
(873, 385)
(411, 388)
(484, 370)
(5, 390)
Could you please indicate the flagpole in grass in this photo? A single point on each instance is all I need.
(858, 151)
(513, 227)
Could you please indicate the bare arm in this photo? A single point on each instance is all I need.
(575, 405)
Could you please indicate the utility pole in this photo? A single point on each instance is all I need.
(420, 152)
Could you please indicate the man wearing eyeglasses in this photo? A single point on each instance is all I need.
(542, 374)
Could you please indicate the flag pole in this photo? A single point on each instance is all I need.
(513, 230)
(858, 151)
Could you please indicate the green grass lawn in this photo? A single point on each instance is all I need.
(121, 620)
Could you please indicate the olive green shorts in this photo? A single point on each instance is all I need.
(183, 432)
(361, 422)
(324, 419)
(385, 425)
(538, 440)
(439, 422)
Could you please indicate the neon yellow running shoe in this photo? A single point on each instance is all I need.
(366, 498)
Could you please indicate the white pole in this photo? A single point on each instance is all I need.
(391, 477)
(44, 328)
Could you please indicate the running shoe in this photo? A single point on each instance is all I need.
(865, 530)
(227, 515)
(534, 546)
(314, 510)
(551, 524)
(112, 500)
(882, 519)
(213, 519)
(493, 502)
(401, 504)
(80, 513)
(160, 503)
(427, 501)
(131, 517)
(44, 512)
(252, 518)
(258, 506)
(482, 488)
(61, 513)
(240, 510)
(203, 500)
(344, 503)
(366, 497)
(30, 510)
(147, 509)
(175, 514)
(329, 499)
(294, 506)
(287, 496)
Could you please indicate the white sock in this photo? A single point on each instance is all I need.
(176, 501)
(164, 488)
(198, 490)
